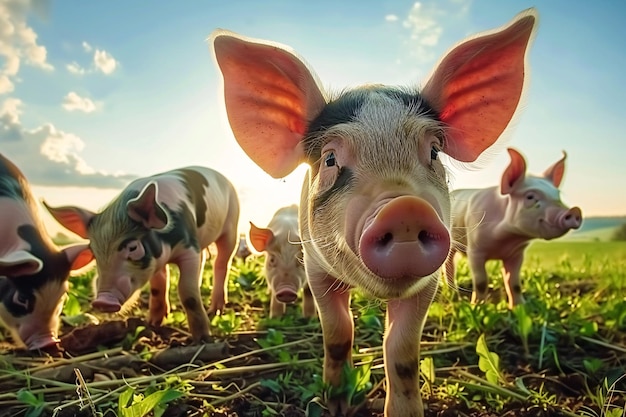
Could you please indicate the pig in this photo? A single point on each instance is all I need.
(499, 222)
(243, 251)
(34, 272)
(374, 212)
(167, 218)
(284, 268)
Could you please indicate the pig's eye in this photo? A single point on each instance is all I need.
(271, 260)
(132, 247)
(434, 151)
(330, 160)
(20, 299)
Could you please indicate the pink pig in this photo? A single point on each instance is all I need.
(284, 268)
(171, 217)
(500, 222)
(33, 270)
(375, 206)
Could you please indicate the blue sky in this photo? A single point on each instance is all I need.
(93, 95)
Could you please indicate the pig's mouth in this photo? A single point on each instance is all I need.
(109, 301)
(40, 341)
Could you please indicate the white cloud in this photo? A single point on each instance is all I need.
(104, 61)
(391, 18)
(49, 156)
(87, 47)
(74, 68)
(73, 101)
(18, 42)
(426, 20)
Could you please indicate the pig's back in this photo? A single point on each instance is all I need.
(206, 193)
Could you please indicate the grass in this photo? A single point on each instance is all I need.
(563, 353)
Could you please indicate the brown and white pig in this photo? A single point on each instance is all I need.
(33, 270)
(375, 205)
(168, 218)
(284, 268)
(500, 222)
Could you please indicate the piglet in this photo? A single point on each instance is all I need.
(171, 217)
(375, 206)
(33, 270)
(243, 251)
(284, 268)
(500, 222)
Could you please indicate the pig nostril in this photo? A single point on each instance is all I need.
(387, 237)
(424, 237)
(568, 217)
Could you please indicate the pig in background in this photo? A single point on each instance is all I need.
(243, 251)
(34, 272)
(375, 205)
(168, 218)
(500, 222)
(284, 268)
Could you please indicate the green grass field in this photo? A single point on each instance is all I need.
(563, 353)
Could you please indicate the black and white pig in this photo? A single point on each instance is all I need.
(33, 270)
(168, 218)
(375, 205)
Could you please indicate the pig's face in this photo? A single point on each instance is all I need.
(126, 257)
(284, 268)
(32, 312)
(535, 209)
(383, 150)
(540, 211)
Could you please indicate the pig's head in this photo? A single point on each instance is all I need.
(124, 243)
(535, 209)
(283, 260)
(33, 288)
(375, 209)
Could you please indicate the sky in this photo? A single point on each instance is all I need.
(95, 94)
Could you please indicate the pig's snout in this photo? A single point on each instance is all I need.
(571, 219)
(287, 295)
(107, 302)
(38, 340)
(406, 239)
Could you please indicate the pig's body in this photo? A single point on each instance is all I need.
(33, 270)
(169, 218)
(284, 268)
(375, 207)
(498, 223)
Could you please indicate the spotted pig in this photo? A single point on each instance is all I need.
(168, 218)
(33, 270)
(375, 206)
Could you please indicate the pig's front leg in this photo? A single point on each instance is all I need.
(277, 309)
(480, 279)
(511, 272)
(333, 303)
(226, 245)
(401, 349)
(308, 303)
(190, 266)
(159, 305)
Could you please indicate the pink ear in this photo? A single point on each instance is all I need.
(515, 172)
(72, 218)
(78, 255)
(19, 263)
(260, 238)
(146, 209)
(271, 97)
(477, 86)
(555, 172)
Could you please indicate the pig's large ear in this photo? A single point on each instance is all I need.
(477, 86)
(271, 97)
(147, 210)
(555, 172)
(75, 219)
(515, 172)
(19, 263)
(260, 237)
(78, 255)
